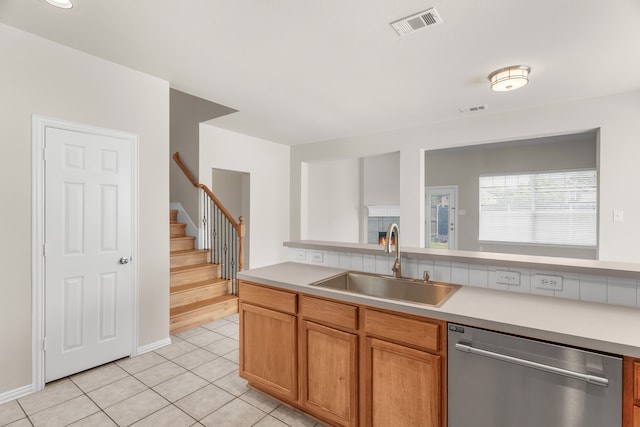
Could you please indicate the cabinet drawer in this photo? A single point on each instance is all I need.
(271, 298)
(636, 380)
(401, 329)
(329, 312)
(636, 416)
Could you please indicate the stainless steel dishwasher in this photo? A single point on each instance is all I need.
(500, 380)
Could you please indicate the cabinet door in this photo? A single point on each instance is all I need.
(402, 386)
(329, 373)
(636, 416)
(268, 356)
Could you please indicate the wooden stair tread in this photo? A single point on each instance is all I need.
(194, 285)
(202, 304)
(189, 251)
(193, 267)
(197, 292)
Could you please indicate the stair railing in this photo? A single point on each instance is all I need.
(223, 235)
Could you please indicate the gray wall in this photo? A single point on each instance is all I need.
(463, 166)
(186, 113)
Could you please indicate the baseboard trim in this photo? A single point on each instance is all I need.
(153, 346)
(16, 393)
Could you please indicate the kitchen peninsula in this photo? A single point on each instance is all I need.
(364, 339)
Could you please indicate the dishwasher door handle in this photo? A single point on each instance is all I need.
(603, 382)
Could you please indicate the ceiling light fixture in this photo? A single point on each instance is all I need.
(509, 78)
(63, 4)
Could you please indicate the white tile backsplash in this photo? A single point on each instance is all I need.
(459, 273)
(369, 263)
(384, 264)
(333, 259)
(478, 276)
(543, 292)
(441, 271)
(570, 288)
(357, 262)
(602, 289)
(622, 292)
(410, 268)
(345, 260)
(593, 288)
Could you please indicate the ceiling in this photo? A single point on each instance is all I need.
(308, 71)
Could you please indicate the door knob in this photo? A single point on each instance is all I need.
(124, 260)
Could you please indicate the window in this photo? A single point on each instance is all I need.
(550, 208)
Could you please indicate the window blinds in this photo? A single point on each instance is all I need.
(557, 208)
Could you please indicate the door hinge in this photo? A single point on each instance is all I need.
(44, 249)
(44, 344)
(44, 154)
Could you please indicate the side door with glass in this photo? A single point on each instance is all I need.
(441, 216)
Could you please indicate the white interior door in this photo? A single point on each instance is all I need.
(88, 239)
(441, 217)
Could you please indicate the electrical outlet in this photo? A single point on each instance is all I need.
(508, 277)
(317, 257)
(546, 281)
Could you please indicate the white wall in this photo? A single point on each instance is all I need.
(382, 180)
(333, 208)
(615, 116)
(44, 78)
(267, 163)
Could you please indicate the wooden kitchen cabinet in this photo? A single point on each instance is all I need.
(403, 385)
(268, 341)
(631, 396)
(329, 360)
(402, 375)
(346, 364)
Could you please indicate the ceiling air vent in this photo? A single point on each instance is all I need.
(416, 22)
(474, 109)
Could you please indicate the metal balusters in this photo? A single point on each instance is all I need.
(222, 235)
(221, 238)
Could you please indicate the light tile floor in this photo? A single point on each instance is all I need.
(192, 382)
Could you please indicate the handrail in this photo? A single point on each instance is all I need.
(237, 225)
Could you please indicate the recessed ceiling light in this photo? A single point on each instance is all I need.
(63, 4)
(509, 78)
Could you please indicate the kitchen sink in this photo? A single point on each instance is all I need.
(403, 289)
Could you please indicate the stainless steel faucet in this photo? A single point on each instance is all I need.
(397, 268)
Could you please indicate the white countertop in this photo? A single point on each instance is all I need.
(601, 327)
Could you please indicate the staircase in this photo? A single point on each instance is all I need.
(198, 294)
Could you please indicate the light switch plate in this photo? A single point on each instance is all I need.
(508, 277)
(300, 255)
(618, 216)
